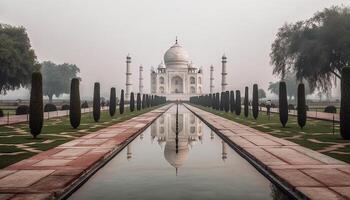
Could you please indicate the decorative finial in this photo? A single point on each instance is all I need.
(176, 40)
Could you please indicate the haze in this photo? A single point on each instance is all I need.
(97, 35)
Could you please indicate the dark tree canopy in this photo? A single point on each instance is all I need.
(17, 58)
(56, 78)
(261, 93)
(316, 49)
(292, 86)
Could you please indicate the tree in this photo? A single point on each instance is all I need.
(246, 102)
(261, 94)
(232, 101)
(17, 58)
(138, 101)
(283, 103)
(238, 102)
(74, 107)
(345, 104)
(301, 105)
(112, 102)
(292, 85)
(255, 103)
(36, 115)
(227, 101)
(132, 102)
(317, 49)
(121, 102)
(96, 102)
(56, 78)
(222, 101)
(143, 101)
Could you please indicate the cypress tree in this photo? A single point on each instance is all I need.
(97, 102)
(121, 102)
(143, 101)
(301, 105)
(222, 100)
(246, 102)
(255, 103)
(238, 102)
(345, 104)
(138, 101)
(283, 103)
(74, 107)
(232, 101)
(112, 102)
(132, 102)
(36, 115)
(227, 101)
(218, 101)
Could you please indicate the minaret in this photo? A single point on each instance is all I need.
(211, 79)
(128, 75)
(140, 81)
(223, 74)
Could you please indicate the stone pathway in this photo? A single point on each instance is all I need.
(15, 119)
(305, 171)
(312, 114)
(48, 174)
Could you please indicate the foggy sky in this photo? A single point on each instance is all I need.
(96, 35)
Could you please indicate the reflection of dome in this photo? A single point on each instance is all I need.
(176, 55)
(173, 158)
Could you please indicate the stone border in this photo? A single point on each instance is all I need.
(57, 172)
(304, 172)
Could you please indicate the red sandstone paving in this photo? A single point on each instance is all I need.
(313, 174)
(49, 173)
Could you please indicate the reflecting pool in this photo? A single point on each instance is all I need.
(195, 164)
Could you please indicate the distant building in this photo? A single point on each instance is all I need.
(176, 78)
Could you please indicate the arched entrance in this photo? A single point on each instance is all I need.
(177, 85)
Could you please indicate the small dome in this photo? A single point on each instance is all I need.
(176, 55)
(161, 65)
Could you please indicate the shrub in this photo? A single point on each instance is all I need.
(255, 103)
(112, 102)
(36, 115)
(238, 102)
(330, 109)
(291, 107)
(138, 101)
(85, 105)
(22, 110)
(66, 107)
(74, 108)
(1, 113)
(246, 102)
(132, 102)
(283, 103)
(301, 105)
(49, 107)
(96, 102)
(345, 104)
(121, 102)
(232, 101)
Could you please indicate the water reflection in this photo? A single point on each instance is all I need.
(177, 146)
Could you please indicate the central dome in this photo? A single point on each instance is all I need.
(176, 55)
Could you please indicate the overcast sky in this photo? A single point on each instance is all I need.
(96, 35)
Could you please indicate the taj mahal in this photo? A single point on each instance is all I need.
(176, 77)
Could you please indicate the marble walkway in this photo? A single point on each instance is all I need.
(307, 172)
(48, 174)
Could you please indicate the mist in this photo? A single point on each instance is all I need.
(96, 35)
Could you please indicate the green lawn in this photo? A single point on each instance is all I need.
(16, 143)
(316, 135)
